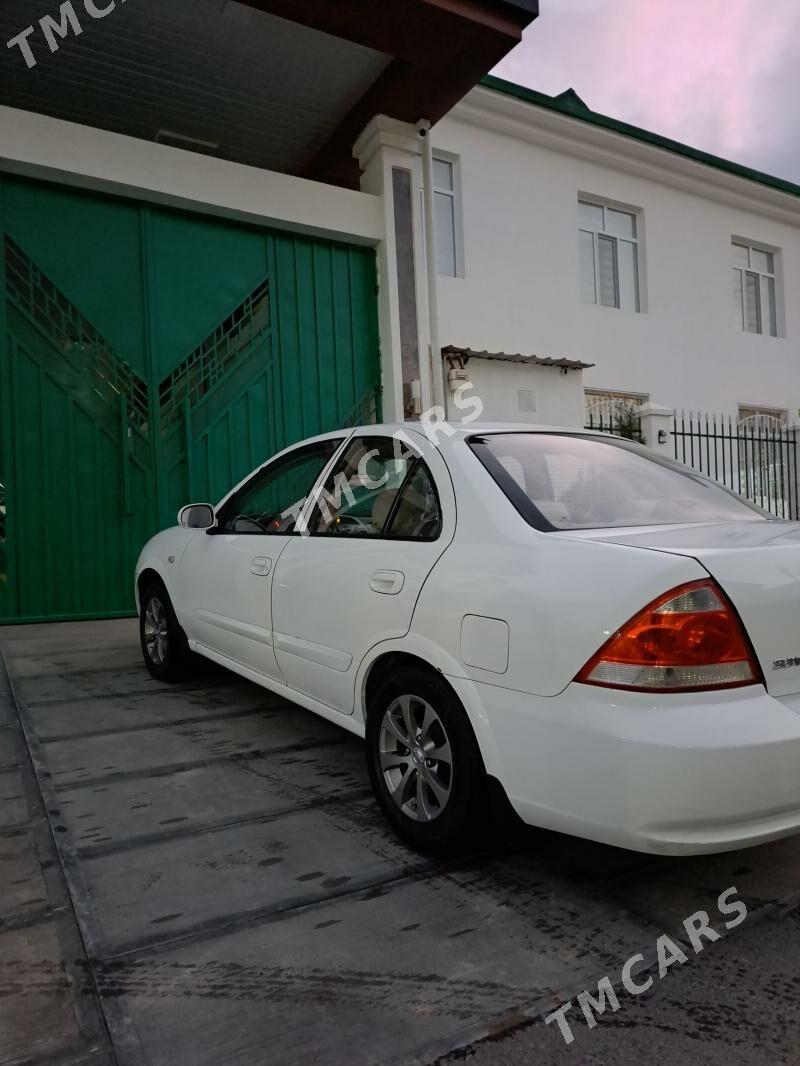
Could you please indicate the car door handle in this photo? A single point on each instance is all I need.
(389, 582)
(260, 566)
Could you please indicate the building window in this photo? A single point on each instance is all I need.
(602, 402)
(609, 255)
(760, 418)
(754, 297)
(446, 215)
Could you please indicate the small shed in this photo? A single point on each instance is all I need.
(517, 388)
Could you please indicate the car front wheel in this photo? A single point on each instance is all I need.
(424, 763)
(164, 645)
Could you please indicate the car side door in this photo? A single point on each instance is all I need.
(226, 571)
(373, 536)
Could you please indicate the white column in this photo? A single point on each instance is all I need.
(384, 145)
(657, 427)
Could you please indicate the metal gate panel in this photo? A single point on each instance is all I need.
(327, 335)
(73, 482)
(152, 358)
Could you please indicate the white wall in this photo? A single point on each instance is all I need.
(558, 396)
(520, 290)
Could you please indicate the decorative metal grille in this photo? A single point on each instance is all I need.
(106, 374)
(210, 361)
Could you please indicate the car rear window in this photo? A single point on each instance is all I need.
(573, 481)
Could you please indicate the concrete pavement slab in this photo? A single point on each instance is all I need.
(13, 802)
(87, 685)
(735, 1004)
(54, 636)
(22, 888)
(761, 875)
(384, 977)
(8, 748)
(187, 885)
(209, 795)
(73, 762)
(36, 1015)
(26, 661)
(82, 718)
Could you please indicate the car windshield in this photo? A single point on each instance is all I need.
(564, 481)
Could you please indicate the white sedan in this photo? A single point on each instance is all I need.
(610, 636)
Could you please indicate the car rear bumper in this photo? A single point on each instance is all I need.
(675, 774)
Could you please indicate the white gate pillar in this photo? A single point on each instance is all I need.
(388, 152)
(657, 427)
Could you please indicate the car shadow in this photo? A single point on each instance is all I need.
(661, 890)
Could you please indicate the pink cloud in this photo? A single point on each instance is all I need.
(723, 75)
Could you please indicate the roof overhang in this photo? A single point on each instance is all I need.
(559, 125)
(465, 354)
(285, 85)
(439, 50)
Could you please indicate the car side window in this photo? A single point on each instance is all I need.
(271, 501)
(379, 488)
(417, 514)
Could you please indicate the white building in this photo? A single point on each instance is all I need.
(577, 236)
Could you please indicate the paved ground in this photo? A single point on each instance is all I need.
(197, 875)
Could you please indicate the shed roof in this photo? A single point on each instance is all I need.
(516, 357)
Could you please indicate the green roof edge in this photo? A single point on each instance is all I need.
(552, 103)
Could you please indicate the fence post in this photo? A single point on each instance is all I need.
(793, 468)
(657, 427)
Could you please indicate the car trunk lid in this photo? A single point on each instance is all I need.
(757, 564)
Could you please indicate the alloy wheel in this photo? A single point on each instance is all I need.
(415, 757)
(156, 634)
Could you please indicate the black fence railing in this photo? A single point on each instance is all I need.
(757, 459)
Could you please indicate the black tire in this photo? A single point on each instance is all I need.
(456, 823)
(167, 656)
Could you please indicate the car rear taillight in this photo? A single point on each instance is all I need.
(689, 639)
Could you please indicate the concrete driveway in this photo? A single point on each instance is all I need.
(197, 874)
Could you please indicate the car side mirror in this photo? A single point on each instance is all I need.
(196, 516)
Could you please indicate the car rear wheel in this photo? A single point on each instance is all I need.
(164, 644)
(424, 763)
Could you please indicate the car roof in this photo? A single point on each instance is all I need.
(442, 437)
(460, 431)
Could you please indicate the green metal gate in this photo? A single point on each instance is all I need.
(151, 358)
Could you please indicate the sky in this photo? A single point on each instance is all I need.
(721, 75)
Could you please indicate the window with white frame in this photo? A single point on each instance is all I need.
(754, 289)
(609, 255)
(446, 215)
(601, 404)
(761, 417)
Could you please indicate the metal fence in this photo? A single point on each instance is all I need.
(758, 458)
